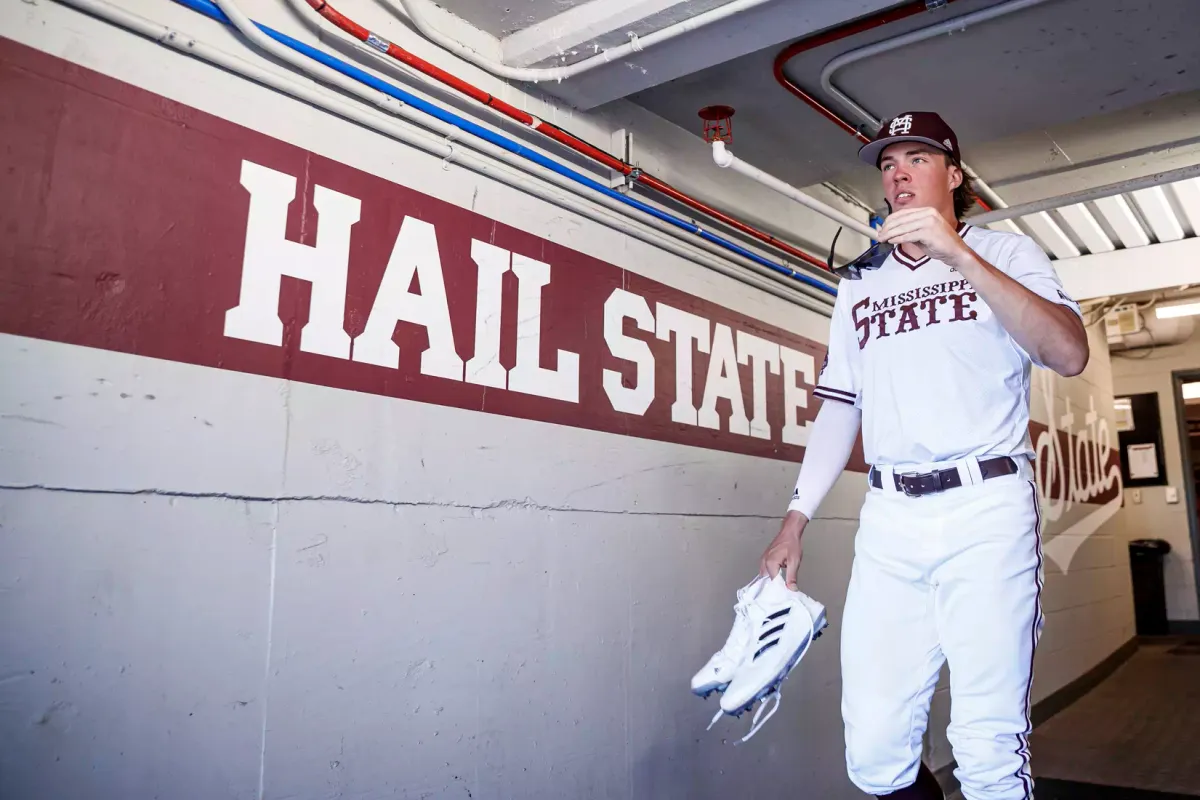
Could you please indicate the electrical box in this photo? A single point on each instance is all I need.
(1122, 321)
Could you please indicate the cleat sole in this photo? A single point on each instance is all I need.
(774, 685)
(706, 692)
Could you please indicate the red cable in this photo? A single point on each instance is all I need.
(895, 14)
(552, 131)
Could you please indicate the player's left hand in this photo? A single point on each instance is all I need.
(928, 229)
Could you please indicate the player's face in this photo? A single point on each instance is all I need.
(916, 175)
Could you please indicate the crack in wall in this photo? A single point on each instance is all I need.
(509, 504)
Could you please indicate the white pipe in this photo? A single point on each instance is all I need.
(316, 22)
(953, 25)
(331, 34)
(635, 44)
(903, 40)
(986, 192)
(1086, 195)
(321, 72)
(694, 251)
(726, 159)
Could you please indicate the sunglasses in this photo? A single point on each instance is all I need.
(872, 258)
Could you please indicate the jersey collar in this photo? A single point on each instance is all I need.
(914, 263)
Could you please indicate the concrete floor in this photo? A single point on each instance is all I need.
(1138, 730)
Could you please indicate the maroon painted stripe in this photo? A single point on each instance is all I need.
(125, 224)
(124, 227)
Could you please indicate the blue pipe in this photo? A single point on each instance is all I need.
(210, 10)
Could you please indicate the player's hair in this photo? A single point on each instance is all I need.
(965, 195)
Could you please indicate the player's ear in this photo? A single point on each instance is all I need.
(956, 176)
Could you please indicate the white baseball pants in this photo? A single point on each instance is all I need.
(952, 578)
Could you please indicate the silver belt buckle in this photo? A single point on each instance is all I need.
(934, 475)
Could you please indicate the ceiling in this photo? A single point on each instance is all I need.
(503, 18)
(1048, 97)
(1031, 95)
(1051, 96)
(583, 24)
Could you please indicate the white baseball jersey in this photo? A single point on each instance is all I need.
(936, 375)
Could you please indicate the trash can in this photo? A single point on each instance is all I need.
(1149, 592)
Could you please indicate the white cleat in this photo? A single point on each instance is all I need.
(715, 675)
(783, 625)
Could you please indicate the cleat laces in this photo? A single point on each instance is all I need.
(755, 723)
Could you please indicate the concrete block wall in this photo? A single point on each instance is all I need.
(238, 567)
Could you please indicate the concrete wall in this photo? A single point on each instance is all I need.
(237, 562)
(1140, 372)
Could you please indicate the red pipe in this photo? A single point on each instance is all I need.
(547, 129)
(909, 9)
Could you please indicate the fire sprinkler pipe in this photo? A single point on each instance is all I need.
(834, 34)
(612, 214)
(331, 70)
(724, 158)
(552, 131)
(635, 44)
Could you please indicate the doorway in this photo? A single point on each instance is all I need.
(1187, 402)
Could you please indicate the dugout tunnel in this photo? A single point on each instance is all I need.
(394, 396)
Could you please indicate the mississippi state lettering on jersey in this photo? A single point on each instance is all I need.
(936, 375)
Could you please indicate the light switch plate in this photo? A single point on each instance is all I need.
(1135, 495)
(1172, 494)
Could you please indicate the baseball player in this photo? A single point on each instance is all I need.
(930, 347)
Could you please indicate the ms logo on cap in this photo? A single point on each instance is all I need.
(900, 125)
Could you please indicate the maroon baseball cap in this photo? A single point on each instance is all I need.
(912, 126)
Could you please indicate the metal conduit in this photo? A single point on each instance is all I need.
(493, 164)
(550, 130)
(354, 73)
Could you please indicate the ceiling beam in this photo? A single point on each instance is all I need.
(577, 26)
(1158, 212)
(1188, 194)
(1084, 223)
(766, 27)
(1051, 235)
(1120, 216)
(1141, 269)
(1094, 194)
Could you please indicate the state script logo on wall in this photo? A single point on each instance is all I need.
(1075, 470)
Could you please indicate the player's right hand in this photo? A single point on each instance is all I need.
(785, 552)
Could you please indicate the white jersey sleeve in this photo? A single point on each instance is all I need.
(841, 374)
(1029, 266)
